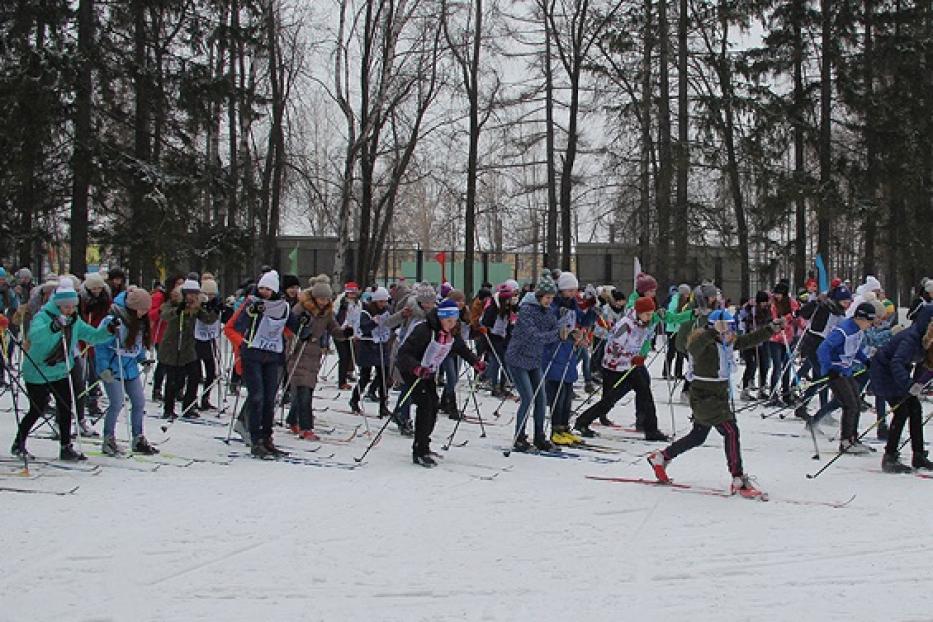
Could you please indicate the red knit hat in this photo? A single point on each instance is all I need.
(351, 286)
(644, 305)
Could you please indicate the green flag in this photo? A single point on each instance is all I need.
(293, 260)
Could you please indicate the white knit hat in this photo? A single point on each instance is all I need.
(94, 280)
(566, 281)
(872, 284)
(381, 294)
(190, 286)
(270, 280)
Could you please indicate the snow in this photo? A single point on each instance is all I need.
(391, 541)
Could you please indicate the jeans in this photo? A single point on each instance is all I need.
(450, 372)
(262, 382)
(777, 353)
(559, 397)
(526, 382)
(135, 391)
(300, 411)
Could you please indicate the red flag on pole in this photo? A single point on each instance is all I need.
(441, 258)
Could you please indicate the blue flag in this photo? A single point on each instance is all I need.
(821, 271)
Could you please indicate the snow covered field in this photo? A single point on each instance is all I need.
(468, 540)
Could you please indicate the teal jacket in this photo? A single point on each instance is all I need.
(46, 360)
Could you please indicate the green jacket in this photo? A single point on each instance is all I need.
(710, 400)
(48, 361)
(177, 347)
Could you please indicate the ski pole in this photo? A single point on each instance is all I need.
(846, 449)
(502, 368)
(563, 376)
(449, 442)
(74, 403)
(288, 378)
(14, 385)
(376, 438)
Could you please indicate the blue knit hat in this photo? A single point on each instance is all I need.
(842, 293)
(65, 292)
(3, 274)
(448, 309)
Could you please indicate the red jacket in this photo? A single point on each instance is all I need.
(156, 323)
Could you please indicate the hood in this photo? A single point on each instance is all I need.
(922, 321)
(308, 304)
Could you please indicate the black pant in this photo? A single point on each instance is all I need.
(809, 344)
(909, 409)
(379, 388)
(207, 365)
(158, 375)
(697, 436)
(846, 390)
(39, 395)
(637, 380)
(670, 357)
(178, 377)
(755, 357)
(424, 397)
(345, 366)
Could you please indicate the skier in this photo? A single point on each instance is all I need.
(315, 312)
(624, 370)
(496, 327)
(177, 352)
(607, 316)
(673, 359)
(419, 360)
(891, 379)
(924, 297)
(705, 300)
(9, 302)
(838, 355)
(779, 347)
(348, 316)
(48, 361)
(535, 329)
(117, 361)
(158, 325)
(450, 368)
(412, 307)
(823, 315)
(205, 340)
(755, 314)
(373, 351)
(94, 302)
(116, 280)
(711, 352)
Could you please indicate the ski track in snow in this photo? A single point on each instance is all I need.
(391, 541)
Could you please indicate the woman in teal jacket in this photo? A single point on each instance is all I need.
(53, 336)
(117, 363)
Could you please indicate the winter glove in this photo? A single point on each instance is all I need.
(106, 375)
(482, 330)
(113, 326)
(777, 325)
(146, 362)
(256, 308)
(347, 331)
(479, 366)
(423, 372)
(638, 361)
(590, 292)
(916, 389)
(60, 322)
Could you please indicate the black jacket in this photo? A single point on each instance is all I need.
(412, 351)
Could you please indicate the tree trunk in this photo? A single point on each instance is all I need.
(82, 157)
(566, 178)
(665, 156)
(140, 262)
(680, 218)
(869, 230)
(550, 241)
(469, 218)
(797, 116)
(827, 194)
(644, 206)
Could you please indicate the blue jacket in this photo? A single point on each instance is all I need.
(559, 358)
(842, 348)
(536, 328)
(123, 365)
(891, 364)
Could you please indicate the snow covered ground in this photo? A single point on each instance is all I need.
(482, 537)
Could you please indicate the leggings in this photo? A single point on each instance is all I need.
(697, 436)
(39, 396)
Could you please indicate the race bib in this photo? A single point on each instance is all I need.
(206, 332)
(381, 333)
(567, 320)
(435, 353)
(464, 331)
(500, 327)
(268, 335)
(353, 318)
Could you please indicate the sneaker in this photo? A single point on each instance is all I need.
(308, 435)
(656, 436)
(521, 444)
(585, 432)
(890, 463)
(109, 447)
(86, 429)
(19, 450)
(921, 462)
(258, 450)
(272, 449)
(425, 460)
(142, 446)
(853, 449)
(744, 485)
(542, 444)
(659, 463)
(240, 428)
(294, 429)
(68, 454)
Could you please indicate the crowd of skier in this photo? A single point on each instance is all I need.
(72, 341)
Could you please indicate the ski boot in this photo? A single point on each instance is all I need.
(19, 450)
(745, 486)
(67, 453)
(590, 387)
(606, 421)
(659, 463)
(109, 447)
(259, 451)
(921, 462)
(142, 446)
(355, 407)
(206, 404)
(584, 431)
(156, 395)
(801, 412)
(308, 435)
(656, 436)
(294, 429)
(521, 444)
(747, 395)
(272, 449)
(86, 430)
(853, 448)
(424, 459)
(542, 444)
(890, 463)
(560, 437)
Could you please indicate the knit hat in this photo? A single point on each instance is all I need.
(321, 290)
(504, 290)
(866, 311)
(380, 295)
(513, 285)
(645, 283)
(190, 286)
(457, 295)
(872, 284)
(781, 288)
(290, 280)
(683, 289)
(3, 274)
(65, 292)
(447, 309)
(545, 286)
(351, 287)
(269, 280)
(842, 293)
(644, 305)
(138, 299)
(618, 295)
(762, 297)
(424, 293)
(889, 307)
(836, 282)
(94, 280)
(880, 311)
(567, 281)
(209, 286)
(928, 286)
(24, 274)
(708, 290)
(445, 289)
